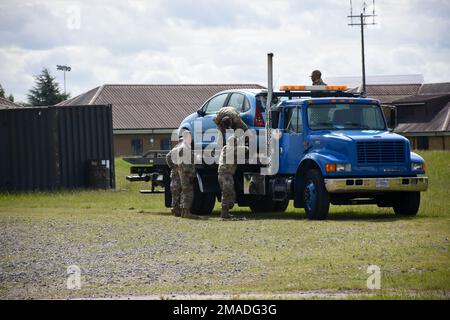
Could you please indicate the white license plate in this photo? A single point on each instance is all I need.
(382, 183)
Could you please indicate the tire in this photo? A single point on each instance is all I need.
(407, 203)
(262, 204)
(315, 196)
(281, 206)
(265, 204)
(203, 203)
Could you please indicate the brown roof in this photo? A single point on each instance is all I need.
(391, 92)
(435, 123)
(435, 88)
(151, 106)
(6, 104)
(422, 98)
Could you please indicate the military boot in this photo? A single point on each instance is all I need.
(225, 214)
(189, 215)
(176, 212)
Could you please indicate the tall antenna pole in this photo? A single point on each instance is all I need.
(362, 22)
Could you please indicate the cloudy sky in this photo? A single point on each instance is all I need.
(215, 41)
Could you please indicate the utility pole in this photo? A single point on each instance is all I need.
(362, 22)
(64, 68)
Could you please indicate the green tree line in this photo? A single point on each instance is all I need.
(45, 92)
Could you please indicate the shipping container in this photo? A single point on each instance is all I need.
(49, 148)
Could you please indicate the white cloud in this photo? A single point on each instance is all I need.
(216, 41)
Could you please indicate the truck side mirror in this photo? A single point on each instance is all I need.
(392, 123)
(390, 113)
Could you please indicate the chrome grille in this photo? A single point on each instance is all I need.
(380, 151)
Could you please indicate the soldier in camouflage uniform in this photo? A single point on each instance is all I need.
(316, 78)
(186, 171)
(233, 115)
(226, 171)
(175, 182)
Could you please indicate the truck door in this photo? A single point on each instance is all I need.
(292, 139)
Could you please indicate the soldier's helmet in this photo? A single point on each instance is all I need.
(316, 74)
(225, 122)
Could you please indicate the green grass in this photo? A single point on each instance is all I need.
(129, 244)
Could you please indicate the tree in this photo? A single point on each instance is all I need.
(2, 92)
(46, 91)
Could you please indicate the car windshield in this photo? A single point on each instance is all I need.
(345, 117)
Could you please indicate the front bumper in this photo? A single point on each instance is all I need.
(350, 185)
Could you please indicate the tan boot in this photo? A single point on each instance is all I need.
(176, 212)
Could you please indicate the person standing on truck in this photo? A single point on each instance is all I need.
(227, 170)
(316, 78)
(186, 171)
(175, 181)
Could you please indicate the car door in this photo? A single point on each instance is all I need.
(292, 139)
(240, 102)
(209, 111)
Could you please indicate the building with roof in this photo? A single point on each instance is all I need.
(423, 111)
(144, 116)
(425, 117)
(6, 104)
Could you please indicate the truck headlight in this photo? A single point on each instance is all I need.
(338, 167)
(418, 166)
(347, 167)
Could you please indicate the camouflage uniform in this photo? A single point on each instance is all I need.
(175, 182)
(226, 172)
(235, 117)
(319, 82)
(186, 171)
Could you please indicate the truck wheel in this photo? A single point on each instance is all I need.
(266, 204)
(281, 206)
(407, 203)
(315, 196)
(203, 203)
(263, 204)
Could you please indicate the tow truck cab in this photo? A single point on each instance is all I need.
(339, 150)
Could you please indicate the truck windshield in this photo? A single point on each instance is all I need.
(345, 117)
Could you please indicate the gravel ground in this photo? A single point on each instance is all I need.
(35, 253)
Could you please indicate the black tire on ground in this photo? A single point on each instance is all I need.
(203, 203)
(406, 203)
(281, 206)
(262, 204)
(265, 204)
(315, 196)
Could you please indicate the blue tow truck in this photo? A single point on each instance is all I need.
(334, 147)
